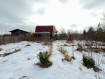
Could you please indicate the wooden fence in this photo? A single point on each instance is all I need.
(11, 39)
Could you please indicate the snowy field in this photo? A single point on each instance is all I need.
(21, 65)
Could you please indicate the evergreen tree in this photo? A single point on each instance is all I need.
(84, 34)
(90, 33)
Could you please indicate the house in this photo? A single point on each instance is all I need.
(44, 32)
(18, 32)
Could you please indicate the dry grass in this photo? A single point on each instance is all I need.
(51, 47)
(103, 62)
(87, 44)
(62, 50)
(67, 58)
(69, 41)
(16, 50)
(1, 49)
(73, 57)
(23, 77)
(65, 45)
(41, 65)
(102, 44)
(6, 54)
(103, 49)
(96, 50)
(46, 40)
(80, 68)
(46, 43)
(79, 48)
(5, 61)
(28, 58)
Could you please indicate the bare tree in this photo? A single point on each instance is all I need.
(63, 34)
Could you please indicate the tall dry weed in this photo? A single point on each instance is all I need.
(51, 47)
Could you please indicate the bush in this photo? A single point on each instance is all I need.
(88, 62)
(28, 45)
(44, 59)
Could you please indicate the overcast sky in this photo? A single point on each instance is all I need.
(69, 14)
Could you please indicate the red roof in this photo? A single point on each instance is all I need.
(44, 28)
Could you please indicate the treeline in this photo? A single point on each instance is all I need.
(93, 33)
(96, 35)
(63, 35)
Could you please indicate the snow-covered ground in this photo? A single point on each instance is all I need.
(21, 65)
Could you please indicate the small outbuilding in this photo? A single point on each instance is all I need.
(18, 32)
(69, 38)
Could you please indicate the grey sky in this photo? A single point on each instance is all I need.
(26, 14)
(64, 1)
(93, 4)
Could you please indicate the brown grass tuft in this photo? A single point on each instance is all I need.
(1, 49)
(23, 77)
(79, 48)
(80, 68)
(6, 54)
(62, 50)
(103, 49)
(96, 50)
(73, 57)
(67, 58)
(16, 50)
(29, 58)
(41, 65)
(87, 44)
(102, 44)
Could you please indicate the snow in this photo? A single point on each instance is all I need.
(17, 65)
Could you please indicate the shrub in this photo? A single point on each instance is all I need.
(28, 45)
(44, 59)
(88, 62)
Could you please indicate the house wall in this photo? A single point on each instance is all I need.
(41, 37)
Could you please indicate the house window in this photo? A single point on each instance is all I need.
(35, 35)
(39, 35)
